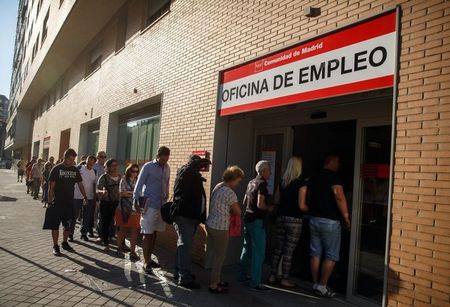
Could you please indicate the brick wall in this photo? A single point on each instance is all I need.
(180, 56)
(420, 243)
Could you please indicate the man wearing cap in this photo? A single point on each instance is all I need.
(189, 211)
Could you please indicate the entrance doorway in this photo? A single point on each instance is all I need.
(364, 148)
(313, 142)
(64, 142)
(370, 212)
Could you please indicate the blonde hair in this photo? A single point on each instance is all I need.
(292, 172)
(232, 173)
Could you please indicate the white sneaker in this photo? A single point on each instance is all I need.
(325, 291)
(315, 286)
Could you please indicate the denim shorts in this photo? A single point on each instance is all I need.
(325, 238)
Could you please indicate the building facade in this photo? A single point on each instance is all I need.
(4, 106)
(128, 76)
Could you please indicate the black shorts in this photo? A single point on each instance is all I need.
(58, 213)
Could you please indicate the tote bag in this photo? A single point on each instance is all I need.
(235, 226)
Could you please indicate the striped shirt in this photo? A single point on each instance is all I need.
(219, 209)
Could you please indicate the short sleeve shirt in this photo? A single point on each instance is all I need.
(219, 208)
(255, 187)
(289, 198)
(321, 199)
(89, 181)
(112, 186)
(65, 177)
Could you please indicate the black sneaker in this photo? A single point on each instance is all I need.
(261, 289)
(148, 270)
(190, 285)
(91, 234)
(56, 250)
(67, 247)
(154, 264)
(70, 238)
(84, 238)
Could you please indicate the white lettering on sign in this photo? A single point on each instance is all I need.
(356, 59)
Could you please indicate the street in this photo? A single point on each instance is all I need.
(31, 276)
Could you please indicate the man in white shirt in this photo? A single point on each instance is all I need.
(89, 177)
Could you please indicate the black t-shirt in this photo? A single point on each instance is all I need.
(289, 198)
(321, 199)
(65, 178)
(256, 186)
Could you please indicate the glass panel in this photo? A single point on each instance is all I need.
(155, 139)
(144, 139)
(92, 142)
(374, 200)
(140, 138)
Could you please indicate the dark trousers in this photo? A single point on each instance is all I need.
(107, 210)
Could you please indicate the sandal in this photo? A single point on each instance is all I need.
(218, 290)
(223, 284)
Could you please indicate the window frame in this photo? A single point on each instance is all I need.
(45, 27)
(90, 69)
(145, 20)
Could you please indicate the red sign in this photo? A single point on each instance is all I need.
(354, 59)
(379, 171)
(204, 155)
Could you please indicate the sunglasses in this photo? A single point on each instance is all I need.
(101, 157)
(134, 171)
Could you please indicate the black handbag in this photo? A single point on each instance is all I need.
(167, 212)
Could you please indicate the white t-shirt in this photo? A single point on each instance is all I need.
(219, 208)
(89, 181)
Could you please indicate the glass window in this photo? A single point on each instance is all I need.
(92, 139)
(121, 32)
(94, 59)
(155, 9)
(45, 26)
(141, 139)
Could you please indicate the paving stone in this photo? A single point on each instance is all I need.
(89, 277)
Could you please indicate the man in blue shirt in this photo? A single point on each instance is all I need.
(153, 185)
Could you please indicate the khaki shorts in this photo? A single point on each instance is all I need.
(151, 221)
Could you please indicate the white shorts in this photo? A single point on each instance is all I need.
(151, 221)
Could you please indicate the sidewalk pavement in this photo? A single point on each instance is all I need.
(31, 276)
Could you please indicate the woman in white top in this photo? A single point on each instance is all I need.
(224, 203)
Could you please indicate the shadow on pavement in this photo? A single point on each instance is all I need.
(7, 198)
(63, 277)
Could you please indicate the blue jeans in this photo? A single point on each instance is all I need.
(325, 238)
(253, 252)
(185, 228)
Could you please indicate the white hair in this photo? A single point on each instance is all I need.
(262, 165)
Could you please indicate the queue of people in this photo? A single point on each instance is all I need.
(131, 205)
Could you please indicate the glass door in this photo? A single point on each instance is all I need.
(370, 213)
